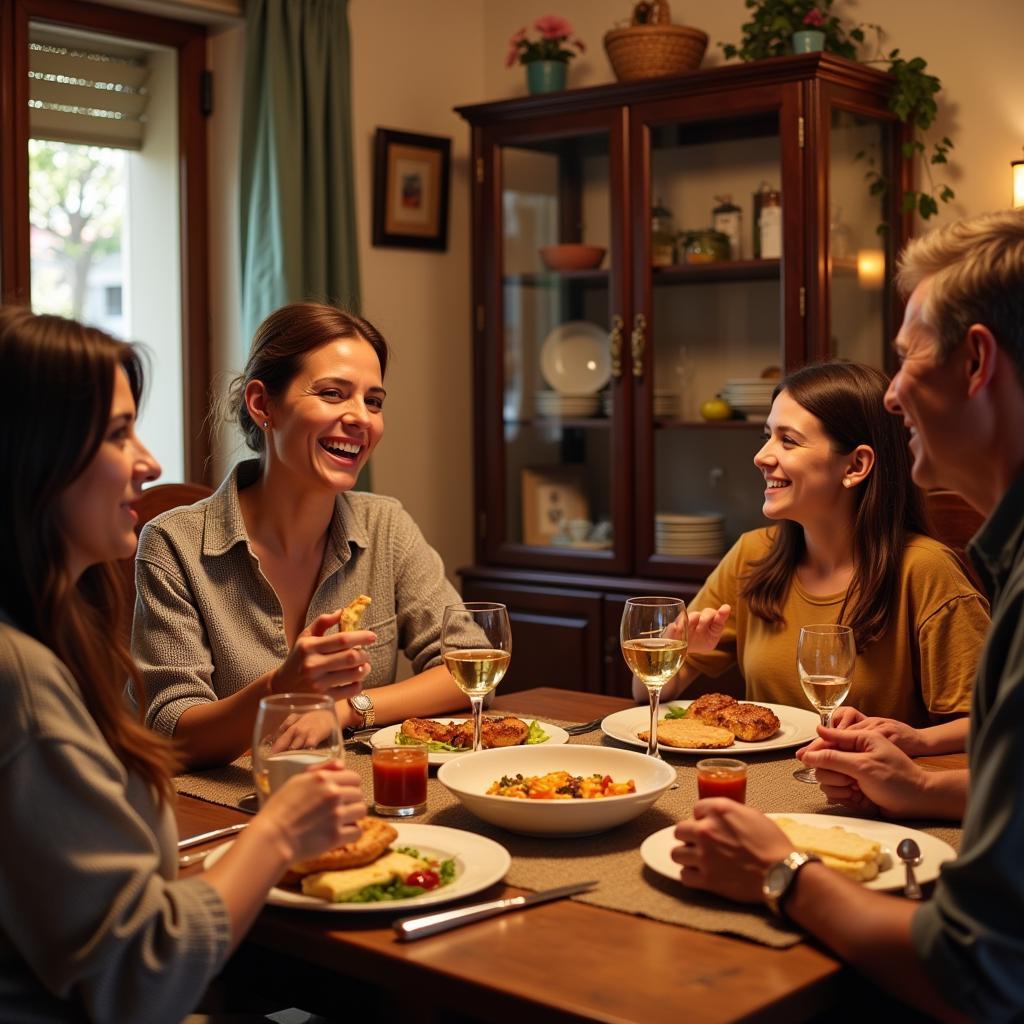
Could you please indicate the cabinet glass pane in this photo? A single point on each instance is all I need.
(556, 403)
(858, 254)
(714, 341)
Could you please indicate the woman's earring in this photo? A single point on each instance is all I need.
(846, 483)
(266, 426)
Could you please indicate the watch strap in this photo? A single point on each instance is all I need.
(792, 863)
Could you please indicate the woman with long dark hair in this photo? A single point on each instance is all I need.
(240, 594)
(93, 922)
(850, 545)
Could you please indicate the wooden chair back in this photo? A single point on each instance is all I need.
(155, 500)
(954, 522)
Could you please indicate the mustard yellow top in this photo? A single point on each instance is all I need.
(921, 669)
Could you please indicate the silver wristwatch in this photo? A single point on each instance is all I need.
(779, 879)
(362, 705)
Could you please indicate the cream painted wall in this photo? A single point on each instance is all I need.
(414, 61)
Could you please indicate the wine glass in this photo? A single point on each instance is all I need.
(476, 644)
(292, 732)
(653, 657)
(825, 656)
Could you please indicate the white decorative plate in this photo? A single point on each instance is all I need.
(479, 862)
(657, 848)
(796, 726)
(574, 359)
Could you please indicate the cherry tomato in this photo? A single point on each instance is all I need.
(424, 879)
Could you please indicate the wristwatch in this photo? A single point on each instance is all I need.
(779, 879)
(362, 705)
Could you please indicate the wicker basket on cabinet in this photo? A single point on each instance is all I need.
(650, 51)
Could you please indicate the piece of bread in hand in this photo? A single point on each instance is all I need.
(352, 613)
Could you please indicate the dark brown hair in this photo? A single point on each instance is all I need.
(278, 348)
(847, 399)
(59, 378)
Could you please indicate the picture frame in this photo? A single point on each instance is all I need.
(410, 190)
(552, 496)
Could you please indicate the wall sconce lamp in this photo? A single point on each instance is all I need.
(871, 268)
(1017, 167)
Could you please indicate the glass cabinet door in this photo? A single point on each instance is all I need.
(707, 338)
(559, 375)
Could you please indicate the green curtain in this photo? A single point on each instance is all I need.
(298, 212)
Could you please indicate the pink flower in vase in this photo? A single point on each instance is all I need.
(551, 26)
(814, 18)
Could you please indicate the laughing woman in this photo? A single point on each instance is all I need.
(849, 546)
(239, 595)
(94, 925)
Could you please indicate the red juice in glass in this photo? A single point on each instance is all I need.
(722, 776)
(400, 779)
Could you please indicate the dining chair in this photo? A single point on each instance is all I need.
(155, 500)
(954, 522)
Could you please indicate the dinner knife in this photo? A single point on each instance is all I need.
(205, 837)
(418, 927)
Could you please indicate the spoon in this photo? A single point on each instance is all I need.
(910, 853)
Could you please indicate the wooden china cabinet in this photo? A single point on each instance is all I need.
(597, 478)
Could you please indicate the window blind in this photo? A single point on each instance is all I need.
(87, 96)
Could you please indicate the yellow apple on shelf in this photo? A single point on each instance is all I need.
(716, 408)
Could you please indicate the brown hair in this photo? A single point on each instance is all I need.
(847, 399)
(60, 386)
(977, 271)
(279, 345)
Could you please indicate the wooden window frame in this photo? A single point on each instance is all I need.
(189, 41)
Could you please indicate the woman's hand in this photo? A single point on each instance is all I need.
(727, 848)
(303, 731)
(318, 663)
(905, 737)
(705, 628)
(316, 810)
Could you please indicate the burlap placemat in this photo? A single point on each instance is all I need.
(627, 885)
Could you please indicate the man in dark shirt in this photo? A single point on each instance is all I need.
(960, 390)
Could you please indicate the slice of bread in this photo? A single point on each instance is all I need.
(352, 613)
(338, 886)
(685, 732)
(840, 849)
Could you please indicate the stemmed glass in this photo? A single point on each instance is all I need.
(476, 644)
(292, 732)
(825, 657)
(653, 657)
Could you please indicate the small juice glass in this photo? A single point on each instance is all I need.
(722, 776)
(400, 779)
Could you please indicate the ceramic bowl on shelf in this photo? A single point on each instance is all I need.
(572, 256)
(469, 777)
(575, 359)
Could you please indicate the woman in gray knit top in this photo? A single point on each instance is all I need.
(239, 595)
(94, 924)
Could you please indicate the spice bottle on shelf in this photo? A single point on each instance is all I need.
(727, 218)
(663, 236)
(767, 223)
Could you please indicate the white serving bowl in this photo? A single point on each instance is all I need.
(470, 776)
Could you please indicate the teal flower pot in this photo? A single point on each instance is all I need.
(808, 40)
(546, 75)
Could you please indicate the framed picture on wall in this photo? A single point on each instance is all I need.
(553, 496)
(410, 190)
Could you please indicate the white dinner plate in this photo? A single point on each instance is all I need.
(796, 726)
(556, 736)
(574, 359)
(479, 862)
(656, 849)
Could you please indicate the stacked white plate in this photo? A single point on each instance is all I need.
(666, 403)
(750, 395)
(551, 403)
(701, 534)
(606, 402)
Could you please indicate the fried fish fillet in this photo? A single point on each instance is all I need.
(376, 837)
(428, 730)
(499, 731)
(685, 732)
(750, 722)
(352, 613)
(710, 707)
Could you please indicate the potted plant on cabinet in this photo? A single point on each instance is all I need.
(546, 57)
(770, 32)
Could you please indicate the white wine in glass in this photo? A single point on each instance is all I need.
(653, 656)
(476, 644)
(825, 656)
(293, 732)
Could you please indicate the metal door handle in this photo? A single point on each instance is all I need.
(637, 341)
(615, 343)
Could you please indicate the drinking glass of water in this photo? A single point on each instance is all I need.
(825, 656)
(293, 732)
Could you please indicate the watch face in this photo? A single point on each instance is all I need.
(777, 880)
(361, 703)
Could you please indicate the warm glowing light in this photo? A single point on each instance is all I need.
(870, 268)
(1017, 166)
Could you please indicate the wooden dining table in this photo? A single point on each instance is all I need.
(559, 961)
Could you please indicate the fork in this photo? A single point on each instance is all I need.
(576, 730)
